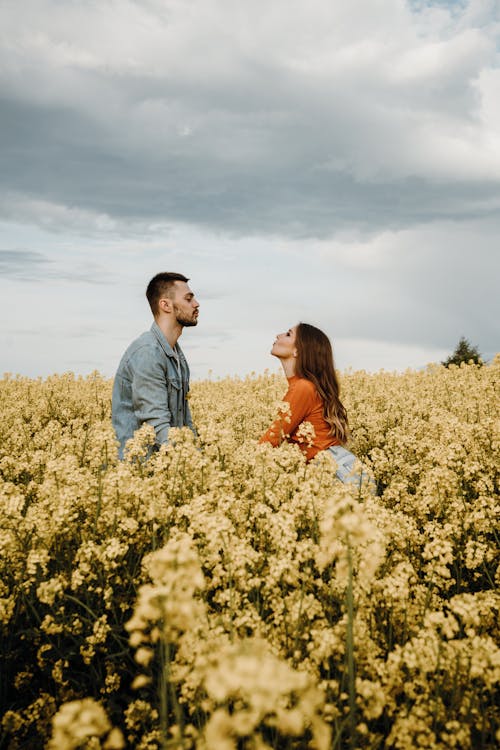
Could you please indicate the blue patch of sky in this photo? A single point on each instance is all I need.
(455, 6)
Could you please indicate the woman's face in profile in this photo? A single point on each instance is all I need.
(284, 344)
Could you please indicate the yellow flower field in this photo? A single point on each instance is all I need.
(224, 595)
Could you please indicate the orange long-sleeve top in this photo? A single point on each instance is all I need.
(305, 406)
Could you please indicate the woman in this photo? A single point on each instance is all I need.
(306, 356)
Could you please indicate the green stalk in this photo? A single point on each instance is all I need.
(163, 696)
(166, 688)
(351, 666)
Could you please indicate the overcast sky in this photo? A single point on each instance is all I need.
(319, 160)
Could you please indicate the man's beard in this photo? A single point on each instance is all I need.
(185, 322)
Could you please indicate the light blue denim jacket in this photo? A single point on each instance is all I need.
(151, 388)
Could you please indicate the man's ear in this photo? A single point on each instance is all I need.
(165, 305)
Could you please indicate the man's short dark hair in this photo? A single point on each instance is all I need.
(161, 286)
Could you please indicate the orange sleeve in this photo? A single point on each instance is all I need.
(301, 398)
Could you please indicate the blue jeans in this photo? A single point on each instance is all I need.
(345, 465)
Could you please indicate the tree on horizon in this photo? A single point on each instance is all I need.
(464, 352)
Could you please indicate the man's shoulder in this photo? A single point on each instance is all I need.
(147, 338)
(146, 345)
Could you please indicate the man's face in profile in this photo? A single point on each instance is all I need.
(185, 305)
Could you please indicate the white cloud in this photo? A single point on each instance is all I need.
(55, 217)
(398, 94)
(411, 293)
(330, 161)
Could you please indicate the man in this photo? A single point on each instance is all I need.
(152, 380)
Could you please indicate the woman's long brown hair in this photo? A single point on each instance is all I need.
(315, 363)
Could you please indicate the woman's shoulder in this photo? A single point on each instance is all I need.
(302, 386)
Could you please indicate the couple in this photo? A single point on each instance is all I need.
(152, 381)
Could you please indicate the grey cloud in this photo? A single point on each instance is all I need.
(83, 332)
(23, 264)
(430, 291)
(28, 265)
(260, 149)
(208, 340)
(66, 160)
(77, 331)
(205, 294)
(268, 131)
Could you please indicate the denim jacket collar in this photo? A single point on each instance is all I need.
(158, 333)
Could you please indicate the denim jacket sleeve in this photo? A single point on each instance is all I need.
(188, 418)
(150, 394)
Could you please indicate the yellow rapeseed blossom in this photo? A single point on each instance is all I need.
(166, 607)
(82, 721)
(222, 593)
(251, 690)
